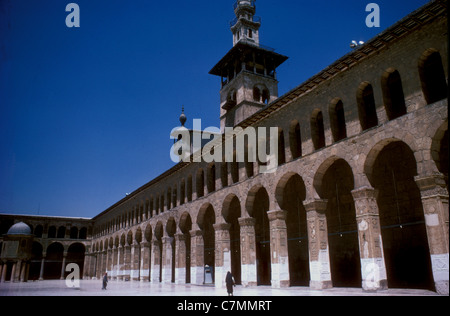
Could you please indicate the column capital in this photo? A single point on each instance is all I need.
(222, 227)
(364, 193)
(247, 221)
(195, 233)
(431, 185)
(277, 215)
(317, 205)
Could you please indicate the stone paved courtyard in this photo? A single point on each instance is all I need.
(93, 288)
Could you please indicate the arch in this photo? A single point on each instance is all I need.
(36, 261)
(231, 212)
(205, 220)
(83, 233)
(182, 191)
(53, 261)
(439, 150)
(366, 106)
(290, 194)
(51, 232)
(61, 232)
(393, 96)
(75, 254)
(337, 119)
(138, 235)
(148, 233)
(257, 205)
(211, 176)
(281, 147)
(171, 228)
(73, 232)
(38, 231)
(403, 231)
(335, 184)
(317, 129)
(200, 183)
(432, 76)
(295, 139)
(185, 227)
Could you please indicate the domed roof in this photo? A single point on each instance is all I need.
(19, 229)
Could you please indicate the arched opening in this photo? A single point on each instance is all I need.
(231, 212)
(291, 193)
(266, 96)
(53, 261)
(224, 173)
(337, 120)
(169, 198)
(75, 254)
(432, 76)
(38, 231)
(83, 233)
(439, 150)
(206, 220)
(211, 184)
(186, 227)
(158, 256)
(73, 232)
(36, 261)
(405, 242)
(366, 106)
(281, 147)
(182, 191)
(256, 94)
(200, 183)
(51, 232)
(234, 169)
(148, 235)
(317, 129)
(171, 229)
(393, 97)
(189, 188)
(336, 187)
(295, 140)
(61, 232)
(258, 206)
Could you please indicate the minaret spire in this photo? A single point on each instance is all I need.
(245, 27)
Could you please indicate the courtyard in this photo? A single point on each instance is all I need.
(115, 288)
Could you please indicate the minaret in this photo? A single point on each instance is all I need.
(248, 70)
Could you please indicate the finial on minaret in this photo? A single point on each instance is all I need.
(183, 117)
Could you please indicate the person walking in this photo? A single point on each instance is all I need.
(105, 281)
(229, 280)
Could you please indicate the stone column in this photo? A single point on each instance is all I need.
(167, 259)
(180, 259)
(1, 270)
(279, 248)
(156, 266)
(319, 257)
(223, 253)
(115, 262)
(5, 268)
(145, 262)
(135, 261)
(109, 262)
(435, 205)
(127, 263)
(120, 263)
(23, 272)
(41, 272)
(197, 257)
(248, 251)
(373, 268)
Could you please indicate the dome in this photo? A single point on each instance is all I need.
(19, 229)
(183, 117)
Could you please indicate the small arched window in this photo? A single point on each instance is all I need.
(393, 97)
(366, 106)
(317, 129)
(432, 76)
(200, 183)
(211, 184)
(337, 120)
(295, 139)
(281, 148)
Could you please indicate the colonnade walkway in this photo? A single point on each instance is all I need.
(118, 288)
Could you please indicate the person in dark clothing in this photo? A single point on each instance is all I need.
(229, 280)
(105, 281)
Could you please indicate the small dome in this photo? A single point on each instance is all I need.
(19, 229)
(183, 117)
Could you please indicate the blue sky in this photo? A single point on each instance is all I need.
(86, 113)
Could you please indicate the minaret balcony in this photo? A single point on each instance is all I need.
(242, 3)
(254, 19)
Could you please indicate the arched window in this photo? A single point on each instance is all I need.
(337, 120)
(366, 106)
(182, 191)
(83, 233)
(266, 96)
(432, 76)
(211, 184)
(51, 232)
(256, 94)
(74, 232)
(189, 188)
(38, 231)
(224, 173)
(393, 97)
(200, 183)
(169, 198)
(295, 139)
(317, 129)
(281, 148)
(61, 232)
